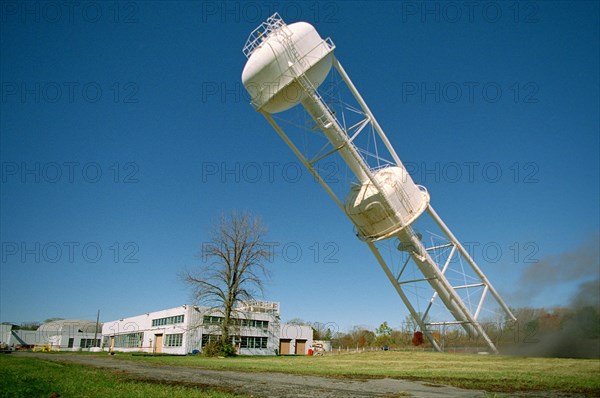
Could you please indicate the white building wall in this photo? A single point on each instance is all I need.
(143, 324)
(192, 328)
(271, 333)
(296, 334)
(59, 339)
(29, 337)
(5, 334)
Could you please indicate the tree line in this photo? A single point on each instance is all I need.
(556, 332)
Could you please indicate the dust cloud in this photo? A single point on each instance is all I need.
(572, 330)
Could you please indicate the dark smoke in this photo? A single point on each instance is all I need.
(573, 330)
(572, 266)
(588, 295)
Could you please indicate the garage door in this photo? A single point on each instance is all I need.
(284, 346)
(300, 347)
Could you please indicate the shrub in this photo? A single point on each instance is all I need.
(218, 349)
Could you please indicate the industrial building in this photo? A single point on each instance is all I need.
(64, 335)
(187, 329)
(181, 330)
(295, 339)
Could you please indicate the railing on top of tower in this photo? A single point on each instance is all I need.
(258, 35)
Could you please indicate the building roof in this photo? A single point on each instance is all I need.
(71, 325)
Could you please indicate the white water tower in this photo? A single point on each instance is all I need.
(286, 65)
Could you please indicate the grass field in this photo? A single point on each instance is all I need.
(485, 372)
(32, 378)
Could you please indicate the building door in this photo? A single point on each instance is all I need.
(71, 342)
(158, 342)
(284, 346)
(300, 347)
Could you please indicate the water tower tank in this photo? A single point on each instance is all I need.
(383, 205)
(286, 64)
(271, 68)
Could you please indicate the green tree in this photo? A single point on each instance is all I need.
(383, 333)
(383, 329)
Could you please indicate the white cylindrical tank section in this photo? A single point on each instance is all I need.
(369, 208)
(286, 63)
(271, 68)
(329, 125)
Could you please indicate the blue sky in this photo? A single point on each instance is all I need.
(126, 132)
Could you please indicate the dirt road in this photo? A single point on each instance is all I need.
(268, 385)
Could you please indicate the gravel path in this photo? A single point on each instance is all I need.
(267, 385)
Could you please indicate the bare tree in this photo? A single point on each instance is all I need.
(233, 266)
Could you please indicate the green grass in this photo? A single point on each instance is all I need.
(32, 377)
(486, 372)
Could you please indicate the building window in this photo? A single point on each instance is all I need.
(71, 341)
(87, 343)
(209, 338)
(173, 340)
(253, 342)
(212, 320)
(129, 340)
(253, 323)
(170, 320)
(243, 341)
